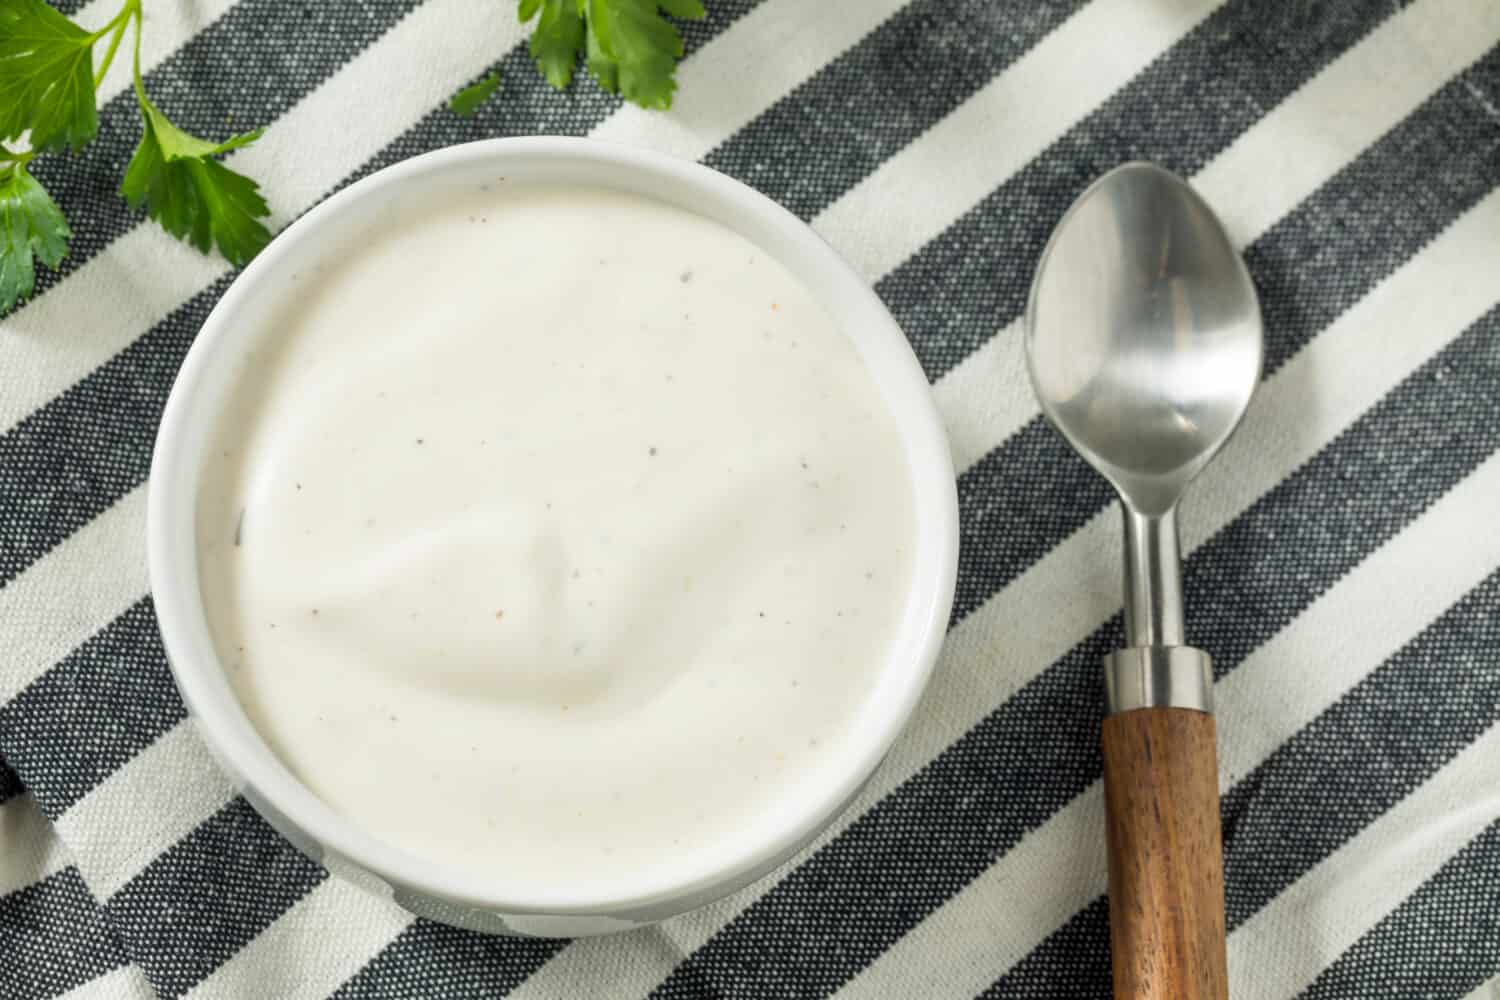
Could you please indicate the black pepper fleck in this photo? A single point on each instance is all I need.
(687, 276)
(651, 451)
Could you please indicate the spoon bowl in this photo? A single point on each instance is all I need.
(1143, 333)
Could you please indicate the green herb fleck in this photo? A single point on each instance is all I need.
(466, 102)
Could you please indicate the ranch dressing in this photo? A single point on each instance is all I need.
(559, 536)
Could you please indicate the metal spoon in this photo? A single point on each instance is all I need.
(1143, 336)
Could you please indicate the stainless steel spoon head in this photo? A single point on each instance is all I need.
(1143, 333)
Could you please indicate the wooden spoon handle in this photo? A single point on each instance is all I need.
(1166, 863)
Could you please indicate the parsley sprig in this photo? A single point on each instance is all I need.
(629, 46)
(631, 49)
(48, 103)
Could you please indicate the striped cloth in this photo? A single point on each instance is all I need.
(1343, 564)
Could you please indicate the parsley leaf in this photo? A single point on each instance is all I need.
(467, 101)
(46, 76)
(633, 50)
(31, 226)
(556, 38)
(193, 196)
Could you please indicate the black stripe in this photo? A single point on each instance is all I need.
(1032, 491)
(836, 127)
(54, 937)
(1388, 734)
(1181, 110)
(243, 71)
(1391, 732)
(1443, 941)
(1037, 751)
(10, 782)
(78, 722)
(434, 960)
(203, 899)
(1070, 962)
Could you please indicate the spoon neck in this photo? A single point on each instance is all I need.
(1153, 579)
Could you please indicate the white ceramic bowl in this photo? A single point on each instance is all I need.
(240, 321)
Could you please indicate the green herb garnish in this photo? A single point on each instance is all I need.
(48, 95)
(631, 49)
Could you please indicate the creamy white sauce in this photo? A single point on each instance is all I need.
(559, 535)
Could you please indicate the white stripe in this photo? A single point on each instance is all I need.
(124, 983)
(922, 190)
(158, 797)
(169, 24)
(29, 849)
(1260, 177)
(1486, 991)
(1279, 951)
(744, 70)
(325, 938)
(145, 274)
(989, 926)
(1072, 588)
(89, 579)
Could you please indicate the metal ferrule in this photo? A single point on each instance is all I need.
(1158, 677)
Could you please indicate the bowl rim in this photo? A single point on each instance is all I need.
(171, 549)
